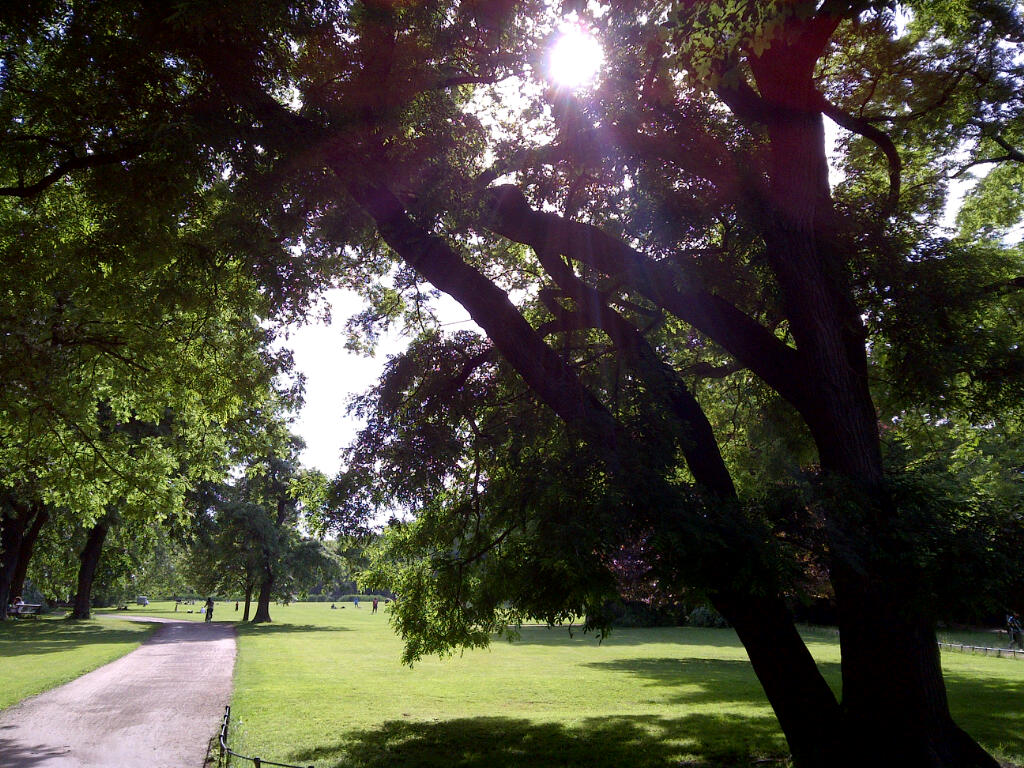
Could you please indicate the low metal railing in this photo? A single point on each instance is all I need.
(1007, 653)
(226, 753)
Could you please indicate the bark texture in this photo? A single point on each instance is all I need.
(89, 560)
(39, 519)
(12, 531)
(263, 601)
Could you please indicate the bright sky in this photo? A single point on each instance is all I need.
(333, 375)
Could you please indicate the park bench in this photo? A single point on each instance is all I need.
(25, 610)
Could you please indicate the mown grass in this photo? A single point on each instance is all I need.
(325, 687)
(222, 611)
(990, 638)
(37, 655)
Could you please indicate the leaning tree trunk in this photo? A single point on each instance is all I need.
(805, 706)
(28, 543)
(88, 562)
(263, 602)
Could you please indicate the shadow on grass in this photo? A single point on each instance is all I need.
(57, 635)
(608, 742)
(701, 681)
(991, 709)
(560, 635)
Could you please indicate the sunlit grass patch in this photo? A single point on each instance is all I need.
(547, 699)
(326, 687)
(165, 609)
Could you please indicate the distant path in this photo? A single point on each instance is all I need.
(157, 707)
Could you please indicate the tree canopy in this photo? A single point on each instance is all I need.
(711, 337)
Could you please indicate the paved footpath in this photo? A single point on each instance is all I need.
(157, 707)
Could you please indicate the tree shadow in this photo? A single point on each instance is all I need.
(16, 754)
(44, 637)
(172, 634)
(609, 742)
(273, 629)
(703, 681)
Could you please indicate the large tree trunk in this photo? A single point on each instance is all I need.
(805, 706)
(894, 699)
(13, 525)
(248, 600)
(12, 530)
(894, 695)
(263, 602)
(28, 543)
(88, 562)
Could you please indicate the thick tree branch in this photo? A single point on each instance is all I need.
(749, 342)
(881, 139)
(64, 168)
(1012, 152)
(695, 436)
(539, 365)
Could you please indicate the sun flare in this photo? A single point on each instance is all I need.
(575, 58)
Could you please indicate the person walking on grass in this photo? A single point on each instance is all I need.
(374, 605)
(209, 609)
(1015, 631)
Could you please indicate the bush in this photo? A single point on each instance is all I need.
(705, 616)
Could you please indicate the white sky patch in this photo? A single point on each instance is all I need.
(833, 135)
(333, 374)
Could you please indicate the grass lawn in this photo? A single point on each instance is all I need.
(42, 654)
(222, 611)
(992, 638)
(324, 687)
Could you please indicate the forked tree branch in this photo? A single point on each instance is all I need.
(748, 341)
(695, 436)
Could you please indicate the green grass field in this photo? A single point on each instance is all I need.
(36, 655)
(325, 687)
(993, 638)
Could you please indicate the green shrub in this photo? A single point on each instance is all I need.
(705, 616)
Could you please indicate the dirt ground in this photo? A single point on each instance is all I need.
(157, 707)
